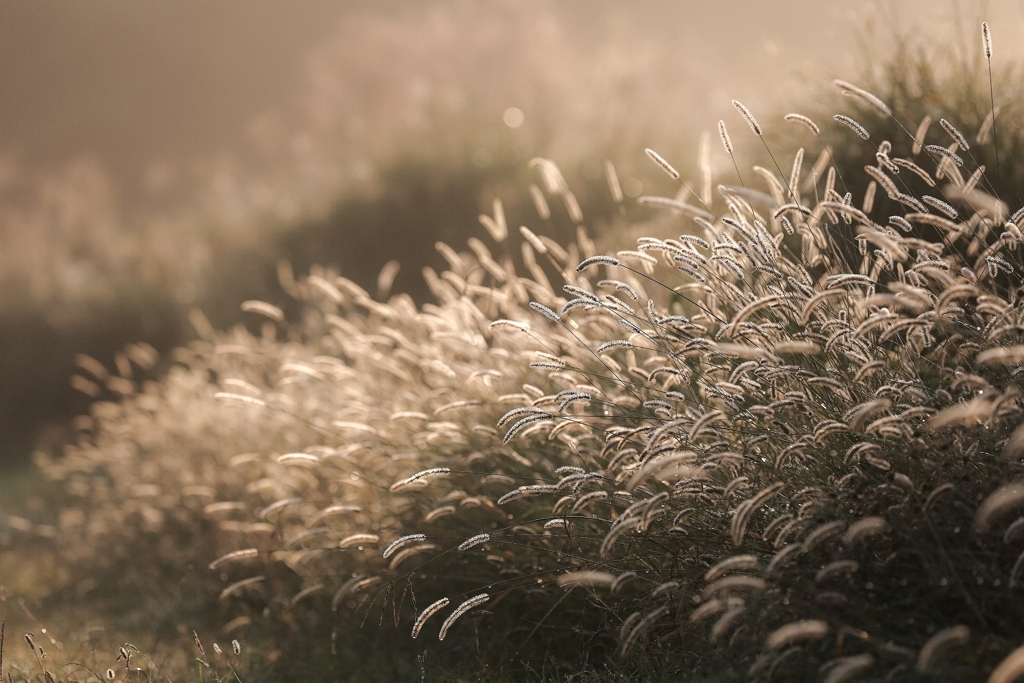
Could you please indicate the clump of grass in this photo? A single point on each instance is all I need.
(782, 444)
(937, 93)
(163, 486)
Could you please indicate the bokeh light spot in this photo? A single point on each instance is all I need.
(632, 187)
(513, 117)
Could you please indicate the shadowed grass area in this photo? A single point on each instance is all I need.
(37, 356)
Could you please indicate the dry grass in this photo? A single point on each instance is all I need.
(783, 445)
